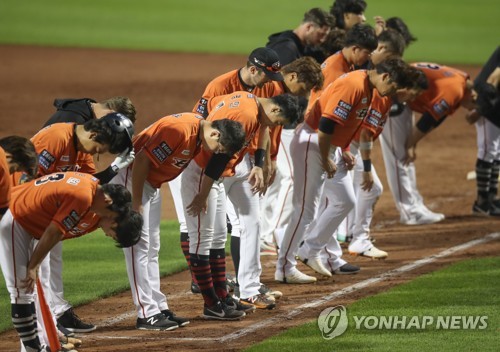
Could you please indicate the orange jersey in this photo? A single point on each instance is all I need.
(229, 83)
(241, 107)
(64, 198)
(377, 115)
(170, 144)
(56, 149)
(332, 68)
(345, 101)
(446, 90)
(5, 180)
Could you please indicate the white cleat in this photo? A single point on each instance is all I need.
(423, 219)
(315, 264)
(373, 253)
(296, 277)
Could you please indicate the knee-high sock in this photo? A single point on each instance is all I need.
(185, 250)
(235, 253)
(483, 176)
(495, 171)
(218, 268)
(24, 320)
(200, 267)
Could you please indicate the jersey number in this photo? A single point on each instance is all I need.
(49, 178)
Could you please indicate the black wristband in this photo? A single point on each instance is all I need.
(216, 165)
(106, 175)
(3, 210)
(326, 125)
(259, 157)
(367, 165)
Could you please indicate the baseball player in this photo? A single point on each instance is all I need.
(448, 90)
(303, 40)
(164, 150)
(300, 77)
(70, 147)
(487, 121)
(78, 111)
(206, 222)
(49, 209)
(261, 68)
(330, 124)
(390, 46)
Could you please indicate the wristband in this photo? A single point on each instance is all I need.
(367, 165)
(259, 157)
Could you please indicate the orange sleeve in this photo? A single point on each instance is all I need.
(5, 181)
(341, 102)
(72, 209)
(163, 143)
(48, 150)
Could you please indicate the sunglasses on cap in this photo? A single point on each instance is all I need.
(275, 67)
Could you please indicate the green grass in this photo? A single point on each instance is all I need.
(449, 31)
(94, 268)
(468, 288)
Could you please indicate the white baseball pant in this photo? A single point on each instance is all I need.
(247, 209)
(337, 201)
(309, 178)
(175, 191)
(207, 230)
(276, 205)
(488, 140)
(142, 259)
(402, 179)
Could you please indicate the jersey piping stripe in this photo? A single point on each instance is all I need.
(135, 282)
(302, 206)
(199, 215)
(288, 188)
(396, 162)
(14, 258)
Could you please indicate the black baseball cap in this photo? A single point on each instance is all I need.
(268, 61)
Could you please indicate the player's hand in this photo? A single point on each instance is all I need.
(379, 24)
(349, 159)
(472, 116)
(137, 206)
(198, 205)
(123, 160)
(367, 183)
(256, 179)
(410, 157)
(30, 280)
(330, 168)
(272, 172)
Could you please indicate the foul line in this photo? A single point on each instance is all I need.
(356, 287)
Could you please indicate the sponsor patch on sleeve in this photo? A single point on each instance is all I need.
(340, 112)
(162, 152)
(45, 159)
(441, 108)
(70, 221)
(202, 106)
(373, 118)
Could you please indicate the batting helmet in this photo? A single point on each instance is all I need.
(120, 123)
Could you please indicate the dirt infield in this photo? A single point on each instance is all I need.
(163, 83)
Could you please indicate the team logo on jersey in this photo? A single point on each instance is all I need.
(45, 159)
(234, 104)
(441, 108)
(180, 163)
(364, 100)
(360, 114)
(67, 168)
(236, 96)
(65, 158)
(176, 115)
(186, 152)
(250, 95)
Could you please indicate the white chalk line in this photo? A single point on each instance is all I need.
(316, 303)
(356, 287)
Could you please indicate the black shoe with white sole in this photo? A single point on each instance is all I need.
(158, 322)
(347, 269)
(73, 323)
(220, 311)
(171, 316)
